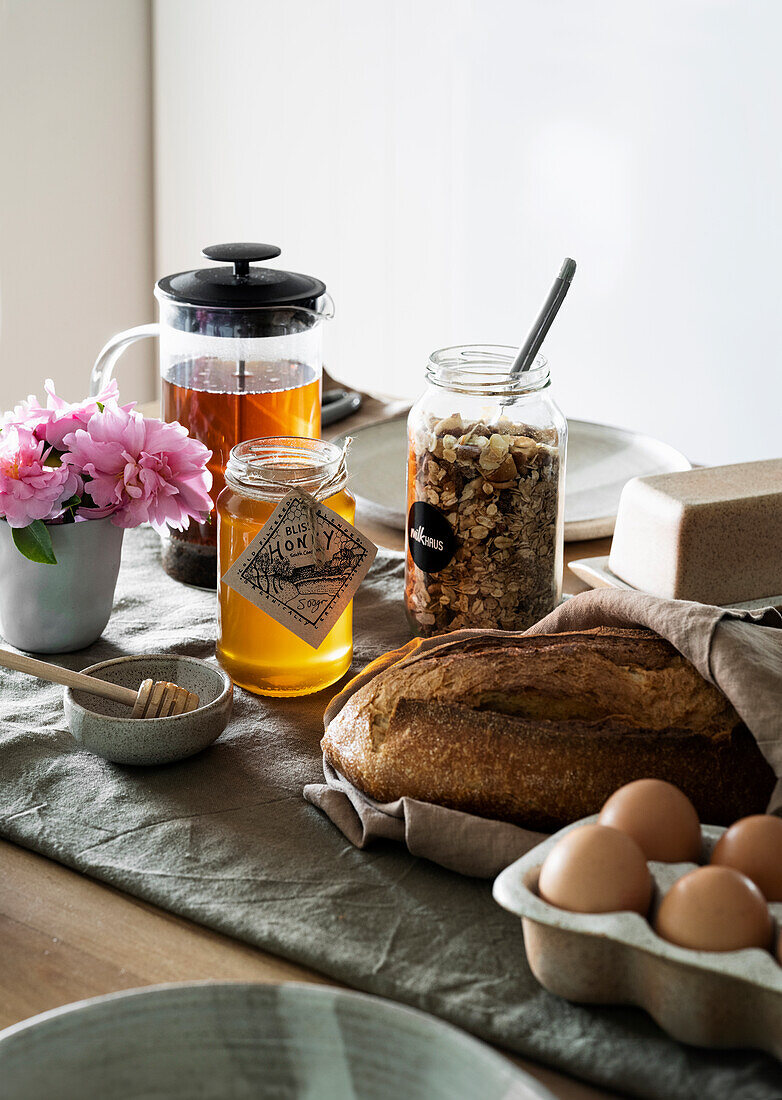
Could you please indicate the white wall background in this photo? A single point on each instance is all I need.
(434, 161)
(75, 191)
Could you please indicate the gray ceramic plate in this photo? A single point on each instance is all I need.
(214, 1041)
(600, 461)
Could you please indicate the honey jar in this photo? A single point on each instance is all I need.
(260, 653)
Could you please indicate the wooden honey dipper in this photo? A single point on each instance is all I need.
(154, 698)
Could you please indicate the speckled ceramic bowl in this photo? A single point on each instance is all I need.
(216, 1040)
(106, 728)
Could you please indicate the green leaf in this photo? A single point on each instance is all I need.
(69, 509)
(35, 542)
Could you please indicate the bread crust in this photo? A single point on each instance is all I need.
(541, 730)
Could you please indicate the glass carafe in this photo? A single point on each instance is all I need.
(240, 358)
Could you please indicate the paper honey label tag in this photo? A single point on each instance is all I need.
(303, 567)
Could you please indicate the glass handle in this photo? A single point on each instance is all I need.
(103, 371)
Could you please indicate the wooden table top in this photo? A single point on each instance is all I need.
(64, 937)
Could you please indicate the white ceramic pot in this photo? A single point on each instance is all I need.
(62, 607)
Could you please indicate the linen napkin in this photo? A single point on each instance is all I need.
(739, 651)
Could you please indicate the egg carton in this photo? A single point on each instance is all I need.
(707, 998)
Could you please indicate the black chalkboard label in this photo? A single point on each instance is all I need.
(430, 537)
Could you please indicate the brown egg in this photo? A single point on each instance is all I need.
(714, 909)
(658, 816)
(593, 869)
(753, 846)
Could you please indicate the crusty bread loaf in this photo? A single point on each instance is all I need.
(540, 730)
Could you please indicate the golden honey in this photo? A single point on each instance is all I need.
(257, 652)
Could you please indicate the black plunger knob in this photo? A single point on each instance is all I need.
(240, 255)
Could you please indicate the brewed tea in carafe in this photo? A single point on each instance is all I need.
(273, 399)
(240, 358)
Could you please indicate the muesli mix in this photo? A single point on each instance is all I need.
(498, 486)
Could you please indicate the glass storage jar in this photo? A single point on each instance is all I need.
(485, 494)
(257, 652)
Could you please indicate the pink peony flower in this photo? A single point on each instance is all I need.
(59, 418)
(29, 488)
(28, 414)
(141, 470)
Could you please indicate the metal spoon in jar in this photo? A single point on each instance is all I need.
(537, 334)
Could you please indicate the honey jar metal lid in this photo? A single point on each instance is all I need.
(242, 286)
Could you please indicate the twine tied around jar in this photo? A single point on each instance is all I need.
(340, 475)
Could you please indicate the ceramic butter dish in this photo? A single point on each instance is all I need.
(712, 535)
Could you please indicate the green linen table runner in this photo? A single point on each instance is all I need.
(226, 839)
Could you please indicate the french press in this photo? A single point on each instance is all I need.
(240, 357)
